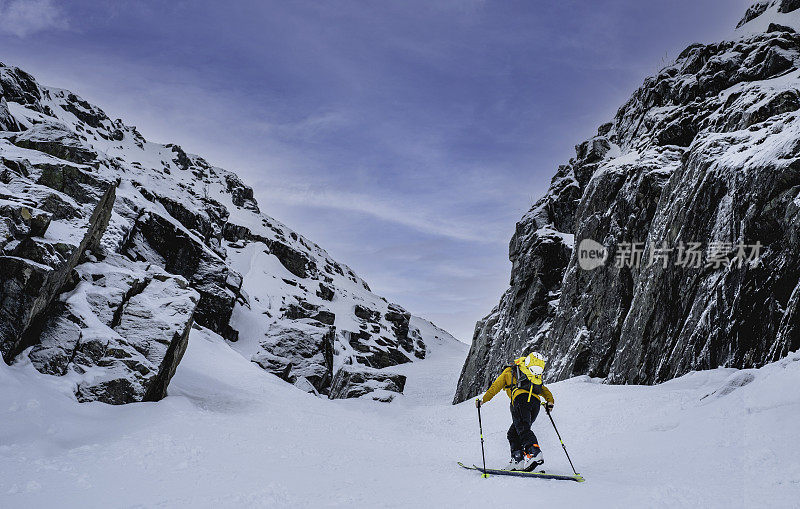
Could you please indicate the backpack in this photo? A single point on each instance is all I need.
(528, 373)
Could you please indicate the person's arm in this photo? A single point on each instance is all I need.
(548, 396)
(498, 385)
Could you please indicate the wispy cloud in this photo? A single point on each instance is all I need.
(407, 213)
(26, 17)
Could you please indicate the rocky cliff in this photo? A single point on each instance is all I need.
(691, 195)
(113, 249)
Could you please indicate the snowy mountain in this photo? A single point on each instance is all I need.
(114, 249)
(133, 272)
(701, 161)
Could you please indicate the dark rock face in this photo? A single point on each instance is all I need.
(181, 159)
(393, 345)
(400, 318)
(20, 87)
(207, 223)
(351, 382)
(235, 233)
(79, 184)
(788, 5)
(379, 357)
(706, 151)
(7, 121)
(19, 221)
(754, 11)
(529, 307)
(366, 313)
(119, 328)
(732, 316)
(774, 27)
(28, 286)
(23, 282)
(307, 310)
(134, 347)
(302, 348)
(241, 194)
(295, 261)
(325, 292)
(157, 240)
(87, 113)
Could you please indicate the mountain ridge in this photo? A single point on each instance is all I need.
(98, 224)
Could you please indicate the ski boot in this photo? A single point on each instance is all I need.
(533, 458)
(517, 461)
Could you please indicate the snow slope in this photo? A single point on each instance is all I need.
(231, 435)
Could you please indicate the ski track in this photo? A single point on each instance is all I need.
(231, 435)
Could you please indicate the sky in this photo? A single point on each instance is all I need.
(404, 137)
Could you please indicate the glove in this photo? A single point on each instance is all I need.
(478, 402)
(548, 406)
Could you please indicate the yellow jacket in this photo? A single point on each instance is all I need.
(507, 381)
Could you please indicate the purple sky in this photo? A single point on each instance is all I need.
(406, 137)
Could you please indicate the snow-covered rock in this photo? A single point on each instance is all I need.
(120, 333)
(351, 382)
(57, 140)
(299, 349)
(114, 246)
(705, 151)
(35, 266)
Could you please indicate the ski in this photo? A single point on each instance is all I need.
(519, 473)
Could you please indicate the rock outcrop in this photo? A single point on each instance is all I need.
(33, 269)
(300, 348)
(351, 382)
(122, 331)
(704, 152)
(56, 140)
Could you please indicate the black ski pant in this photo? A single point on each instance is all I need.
(523, 413)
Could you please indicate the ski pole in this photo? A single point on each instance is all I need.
(480, 426)
(559, 439)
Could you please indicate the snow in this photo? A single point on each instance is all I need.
(231, 435)
(616, 162)
(66, 231)
(760, 24)
(568, 239)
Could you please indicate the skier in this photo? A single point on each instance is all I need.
(522, 382)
